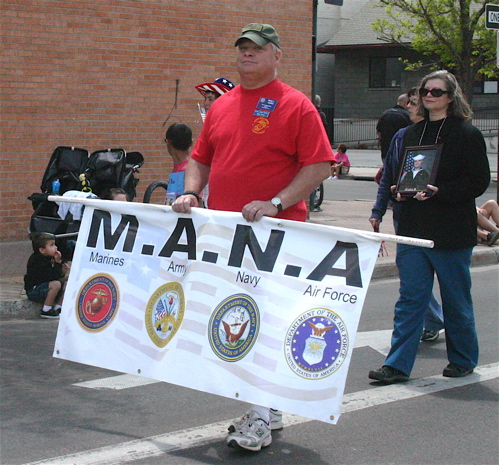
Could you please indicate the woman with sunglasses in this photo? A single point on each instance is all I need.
(434, 320)
(446, 214)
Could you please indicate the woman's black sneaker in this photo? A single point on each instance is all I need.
(388, 375)
(453, 370)
(429, 335)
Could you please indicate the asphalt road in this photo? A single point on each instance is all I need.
(49, 417)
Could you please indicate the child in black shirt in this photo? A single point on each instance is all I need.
(45, 274)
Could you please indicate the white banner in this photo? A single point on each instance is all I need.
(263, 312)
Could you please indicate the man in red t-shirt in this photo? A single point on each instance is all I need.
(263, 149)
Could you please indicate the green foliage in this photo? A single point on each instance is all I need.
(451, 34)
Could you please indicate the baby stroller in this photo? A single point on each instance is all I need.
(80, 174)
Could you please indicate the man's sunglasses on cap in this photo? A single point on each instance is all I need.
(435, 92)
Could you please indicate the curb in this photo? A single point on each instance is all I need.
(362, 178)
(24, 309)
(487, 256)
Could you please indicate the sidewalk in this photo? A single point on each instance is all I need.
(346, 214)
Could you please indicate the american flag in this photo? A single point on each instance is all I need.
(202, 111)
(409, 163)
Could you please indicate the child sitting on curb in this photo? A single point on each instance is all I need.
(45, 275)
(341, 165)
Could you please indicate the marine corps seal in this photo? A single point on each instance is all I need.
(260, 125)
(97, 302)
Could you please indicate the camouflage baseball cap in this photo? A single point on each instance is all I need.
(261, 34)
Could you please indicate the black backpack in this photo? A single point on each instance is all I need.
(66, 164)
(112, 168)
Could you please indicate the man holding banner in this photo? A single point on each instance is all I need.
(262, 149)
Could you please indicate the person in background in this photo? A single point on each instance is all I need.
(390, 122)
(114, 193)
(434, 318)
(444, 213)
(211, 91)
(488, 222)
(317, 102)
(46, 275)
(178, 140)
(254, 167)
(341, 163)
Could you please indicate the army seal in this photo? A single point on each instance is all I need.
(164, 313)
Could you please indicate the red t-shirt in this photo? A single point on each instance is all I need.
(178, 167)
(256, 141)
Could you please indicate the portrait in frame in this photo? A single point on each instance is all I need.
(418, 168)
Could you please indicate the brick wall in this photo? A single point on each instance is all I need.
(104, 73)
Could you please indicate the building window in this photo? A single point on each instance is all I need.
(485, 87)
(385, 72)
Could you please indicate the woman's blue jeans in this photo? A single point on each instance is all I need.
(417, 266)
(434, 317)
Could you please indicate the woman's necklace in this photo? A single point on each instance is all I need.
(438, 133)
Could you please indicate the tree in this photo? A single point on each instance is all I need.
(451, 33)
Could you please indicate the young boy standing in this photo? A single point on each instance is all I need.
(45, 274)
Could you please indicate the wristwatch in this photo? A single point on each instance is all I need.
(276, 201)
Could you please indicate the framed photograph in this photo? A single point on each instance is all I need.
(418, 168)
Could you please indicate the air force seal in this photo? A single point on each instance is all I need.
(316, 344)
(97, 302)
(164, 313)
(234, 327)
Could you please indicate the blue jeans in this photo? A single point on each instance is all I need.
(434, 318)
(38, 293)
(417, 266)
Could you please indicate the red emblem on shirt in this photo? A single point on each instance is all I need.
(260, 125)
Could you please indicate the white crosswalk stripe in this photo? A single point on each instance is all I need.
(194, 437)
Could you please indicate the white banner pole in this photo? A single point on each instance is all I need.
(378, 237)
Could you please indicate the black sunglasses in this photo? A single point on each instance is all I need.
(435, 92)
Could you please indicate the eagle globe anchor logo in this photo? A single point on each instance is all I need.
(317, 343)
(97, 302)
(234, 327)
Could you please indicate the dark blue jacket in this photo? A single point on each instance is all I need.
(449, 217)
(389, 178)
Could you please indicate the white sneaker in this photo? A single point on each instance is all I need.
(251, 433)
(334, 177)
(275, 420)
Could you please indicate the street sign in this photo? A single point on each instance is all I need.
(491, 16)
